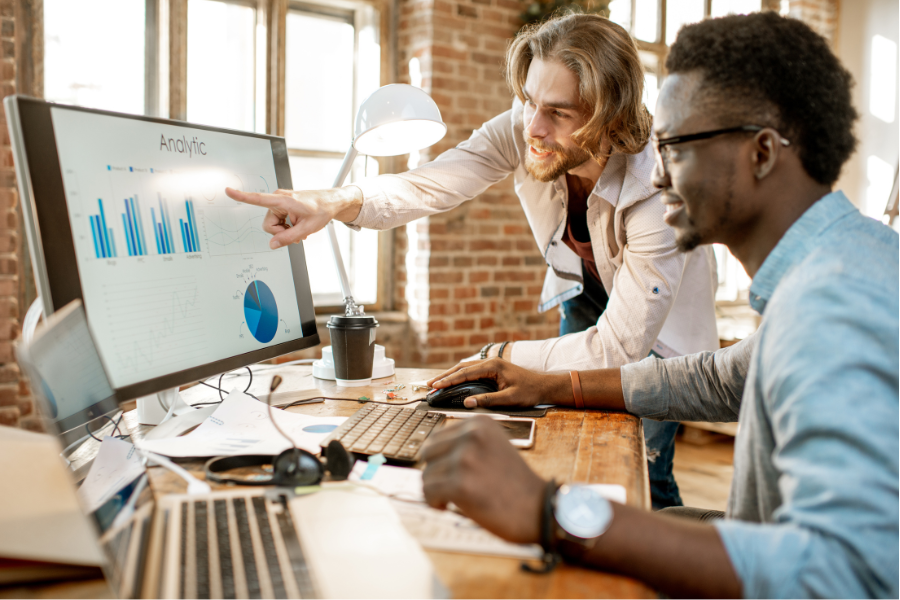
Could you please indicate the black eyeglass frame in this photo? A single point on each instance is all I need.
(658, 144)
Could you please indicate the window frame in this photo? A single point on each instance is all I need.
(166, 84)
(660, 50)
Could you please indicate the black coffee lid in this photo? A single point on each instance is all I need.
(354, 322)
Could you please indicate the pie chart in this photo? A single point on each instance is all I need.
(260, 311)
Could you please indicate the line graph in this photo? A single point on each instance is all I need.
(157, 323)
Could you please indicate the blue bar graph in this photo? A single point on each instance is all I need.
(159, 248)
(127, 236)
(102, 235)
(193, 236)
(96, 237)
(184, 239)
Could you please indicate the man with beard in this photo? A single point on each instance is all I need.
(753, 125)
(575, 141)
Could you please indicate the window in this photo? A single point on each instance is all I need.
(654, 35)
(241, 64)
(221, 64)
(97, 71)
(321, 100)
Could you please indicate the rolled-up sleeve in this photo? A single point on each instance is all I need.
(706, 386)
(457, 175)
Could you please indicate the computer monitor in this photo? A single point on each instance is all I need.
(129, 214)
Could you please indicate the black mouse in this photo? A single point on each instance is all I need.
(453, 396)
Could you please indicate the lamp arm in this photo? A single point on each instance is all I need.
(350, 306)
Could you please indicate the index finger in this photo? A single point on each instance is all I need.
(454, 369)
(461, 374)
(255, 198)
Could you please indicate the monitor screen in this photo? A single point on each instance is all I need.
(67, 376)
(177, 280)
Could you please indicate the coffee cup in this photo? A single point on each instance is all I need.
(353, 348)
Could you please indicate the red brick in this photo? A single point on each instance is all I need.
(9, 416)
(463, 324)
(486, 322)
(479, 339)
(9, 394)
(438, 325)
(479, 276)
(474, 307)
(446, 277)
(9, 373)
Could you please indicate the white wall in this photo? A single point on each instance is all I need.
(868, 175)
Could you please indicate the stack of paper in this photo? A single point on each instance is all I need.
(241, 425)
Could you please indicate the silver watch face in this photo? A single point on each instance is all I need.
(582, 512)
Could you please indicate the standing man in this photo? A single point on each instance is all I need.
(753, 124)
(575, 141)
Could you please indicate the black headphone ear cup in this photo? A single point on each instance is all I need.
(296, 467)
(338, 461)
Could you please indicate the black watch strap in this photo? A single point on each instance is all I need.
(551, 557)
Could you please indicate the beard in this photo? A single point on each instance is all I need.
(564, 160)
(688, 239)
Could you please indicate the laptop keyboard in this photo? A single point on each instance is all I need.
(396, 432)
(237, 547)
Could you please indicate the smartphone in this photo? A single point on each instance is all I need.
(520, 431)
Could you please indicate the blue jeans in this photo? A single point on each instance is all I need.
(582, 312)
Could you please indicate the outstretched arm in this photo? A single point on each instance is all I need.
(295, 214)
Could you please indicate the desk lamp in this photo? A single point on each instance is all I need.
(395, 119)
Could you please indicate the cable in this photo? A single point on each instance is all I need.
(315, 400)
(221, 391)
(116, 428)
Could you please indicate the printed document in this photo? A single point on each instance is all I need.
(241, 425)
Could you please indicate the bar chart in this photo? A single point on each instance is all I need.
(133, 230)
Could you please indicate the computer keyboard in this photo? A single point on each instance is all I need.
(397, 433)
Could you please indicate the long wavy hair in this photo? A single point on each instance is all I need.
(611, 78)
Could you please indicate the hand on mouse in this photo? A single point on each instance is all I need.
(517, 386)
(474, 466)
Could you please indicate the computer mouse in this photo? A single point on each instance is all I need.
(453, 396)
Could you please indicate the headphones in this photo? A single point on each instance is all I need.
(294, 467)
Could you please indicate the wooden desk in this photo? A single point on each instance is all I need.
(571, 446)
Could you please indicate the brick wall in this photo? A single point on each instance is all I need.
(474, 274)
(821, 15)
(18, 45)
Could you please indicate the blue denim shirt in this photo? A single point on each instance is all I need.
(813, 509)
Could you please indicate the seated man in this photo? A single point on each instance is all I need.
(752, 127)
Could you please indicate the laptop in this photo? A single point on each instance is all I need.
(342, 541)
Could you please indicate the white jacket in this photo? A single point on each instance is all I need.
(659, 298)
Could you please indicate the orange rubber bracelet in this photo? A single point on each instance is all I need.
(576, 390)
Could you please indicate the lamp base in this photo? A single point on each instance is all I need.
(381, 367)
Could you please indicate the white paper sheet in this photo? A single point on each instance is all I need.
(398, 482)
(446, 530)
(451, 532)
(241, 425)
(117, 464)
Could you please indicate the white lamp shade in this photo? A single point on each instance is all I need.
(397, 119)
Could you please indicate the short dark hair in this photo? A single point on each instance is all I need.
(764, 65)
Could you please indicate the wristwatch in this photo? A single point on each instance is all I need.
(581, 515)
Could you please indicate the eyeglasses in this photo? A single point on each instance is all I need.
(662, 155)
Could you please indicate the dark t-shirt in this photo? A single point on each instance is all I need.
(577, 236)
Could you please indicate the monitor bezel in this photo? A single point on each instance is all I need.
(52, 247)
